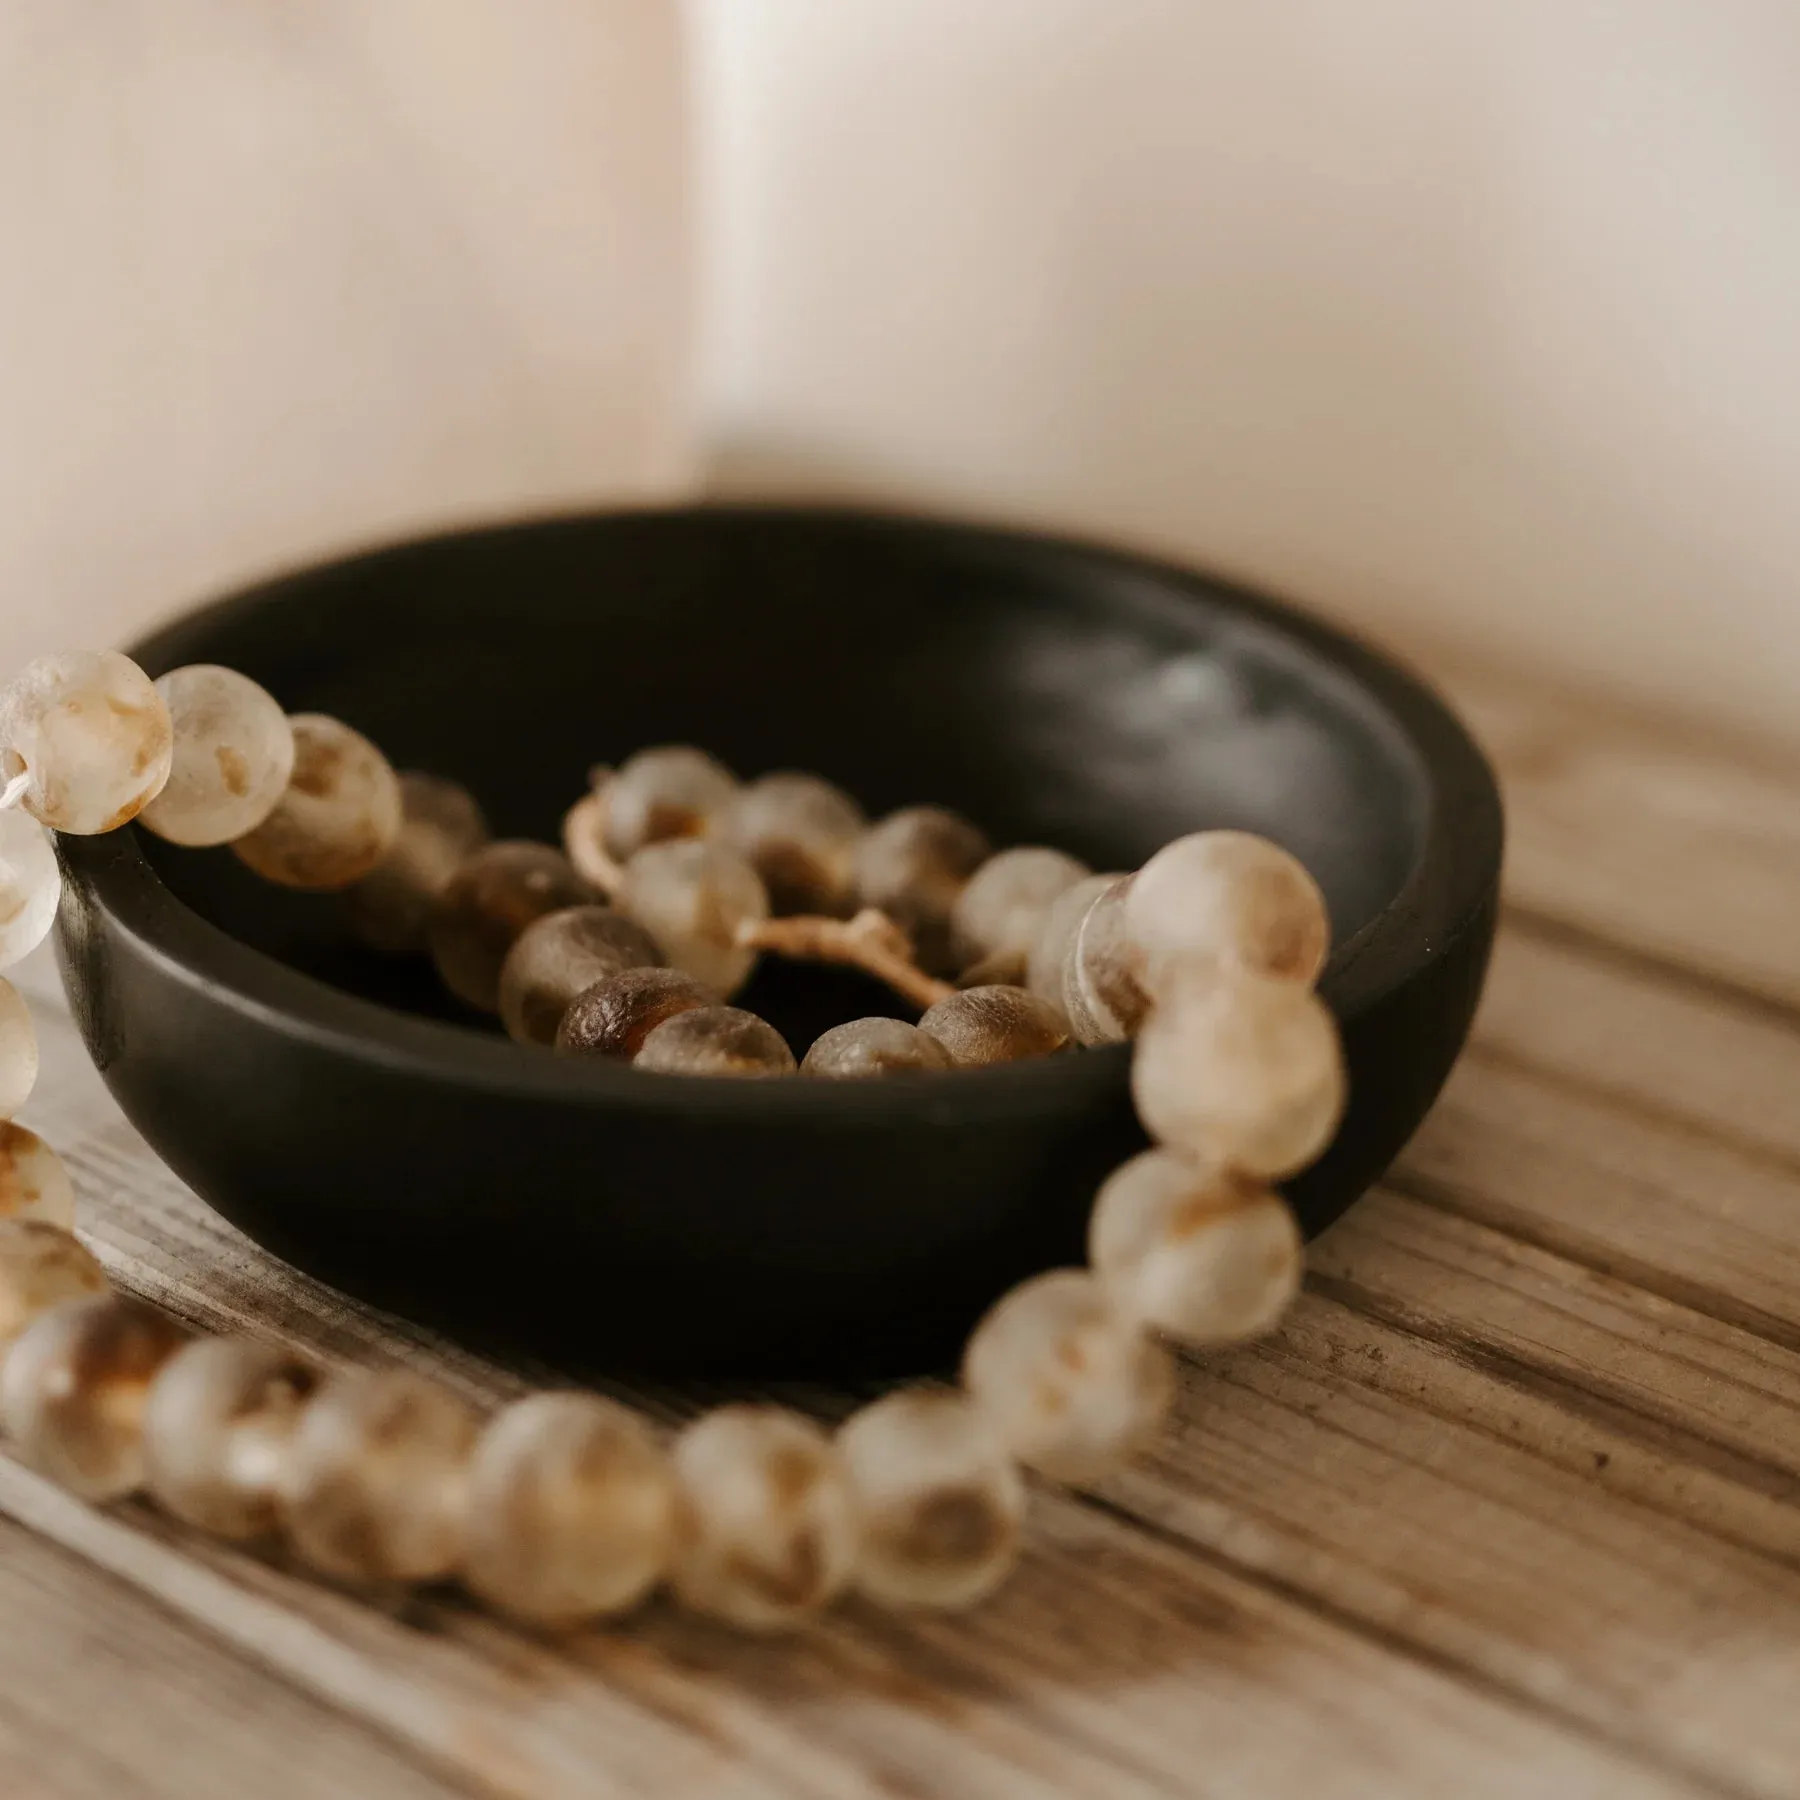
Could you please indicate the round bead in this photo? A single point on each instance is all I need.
(559, 956)
(800, 834)
(571, 1510)
(221, 1415)
(487, 905)
(1207, 1256)
(692, 896)
(373, 1488)
(1230, 897)
(862, 1048)
(30, 886)
(339, 816)
(18, 1050)
(1069, 1381)
(1044, 967)
(92, 735)
(939, 1500)
(994, 1025)
(73, 1388)
(441, 825)
(767, 1526)
(715, 1040)
(613, 1017)
(912, 866)
(233, 755)
(672, 791)
(1240, 1070)
(33, 1182)
(41, 1266)
(1002, 911)
(1101, 990)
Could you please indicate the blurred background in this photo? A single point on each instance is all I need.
(1470, 322)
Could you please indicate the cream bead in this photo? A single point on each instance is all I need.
(692, 896)
(983, 1025)
(339, 816)
(1240, 1070)
(33, 1182)
(718, 1041)
(1101, 987)
(767, 1526)
(1207, 1256)
(18, 1050)
(221, 1415)
(670, 791)
(1231, 897)
(571, 1510)
(41, 1266)
(865, 1049)
(1068, 1380)
(1003, 908)
(487, 906)
(441, 825)
(92, 736)
(800, 834)
(233, 754)
(73, 1390)
(559, 957)
(30, 886)
(1044, 967)
(376, 1476)
(911, 866)
(939, 1500)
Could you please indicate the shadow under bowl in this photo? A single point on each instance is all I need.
(345, 1113)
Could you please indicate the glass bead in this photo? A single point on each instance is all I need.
(800, 834)
(375, 1478)
(984, 1025)
(912, 865)
(92, 735)
(1101, 990)
(339, 816)
(1228, 896)
(613, 1017)
(1070, 1382)
(864, 1048)
(487, 905)
(232, 759)
(74, 1386)
(1002, 911)
(571, 1511)
(560, 955)
(766, 1528)
(218, 1423)
(692, 896)
(939, 1500)
(1240, 1070)
(1208, 1256)
(18, 1050)
(30, 886)
(1044, 967)
(441, 825)
(716, 1040)
(41, 1266)
(33, 1182)
(672, 791)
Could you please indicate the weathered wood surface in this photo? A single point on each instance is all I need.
(1511, 1506)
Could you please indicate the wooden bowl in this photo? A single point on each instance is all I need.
(344, 1113)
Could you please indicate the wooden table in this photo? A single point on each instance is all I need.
(1508, 1508)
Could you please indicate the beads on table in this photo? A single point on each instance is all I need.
(33, 1182)
(73, 1389)
(374, 1476)
(767, 1525)
(912, 865)
(30, 886)
(1208, 1256)
(800, 834)
(441, 825)
(863, 1048)
(41, 1266)
(716, 1040)
(939, 1500)
(218, 1423)
(1240, 1070)
(1068, 1379)
(560, 955)
(692, 896)
(18, 1050)
(339, 816)
(571, 1510)
(671, 791)
(1102, 989)
(985, 1025)
(487, 905)
(613, 1017)
(232, 757)
(92, 737)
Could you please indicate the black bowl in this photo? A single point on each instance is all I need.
(343, 1112)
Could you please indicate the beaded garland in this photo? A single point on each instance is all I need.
(629, 943)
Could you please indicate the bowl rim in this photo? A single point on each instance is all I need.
(1446, 893)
